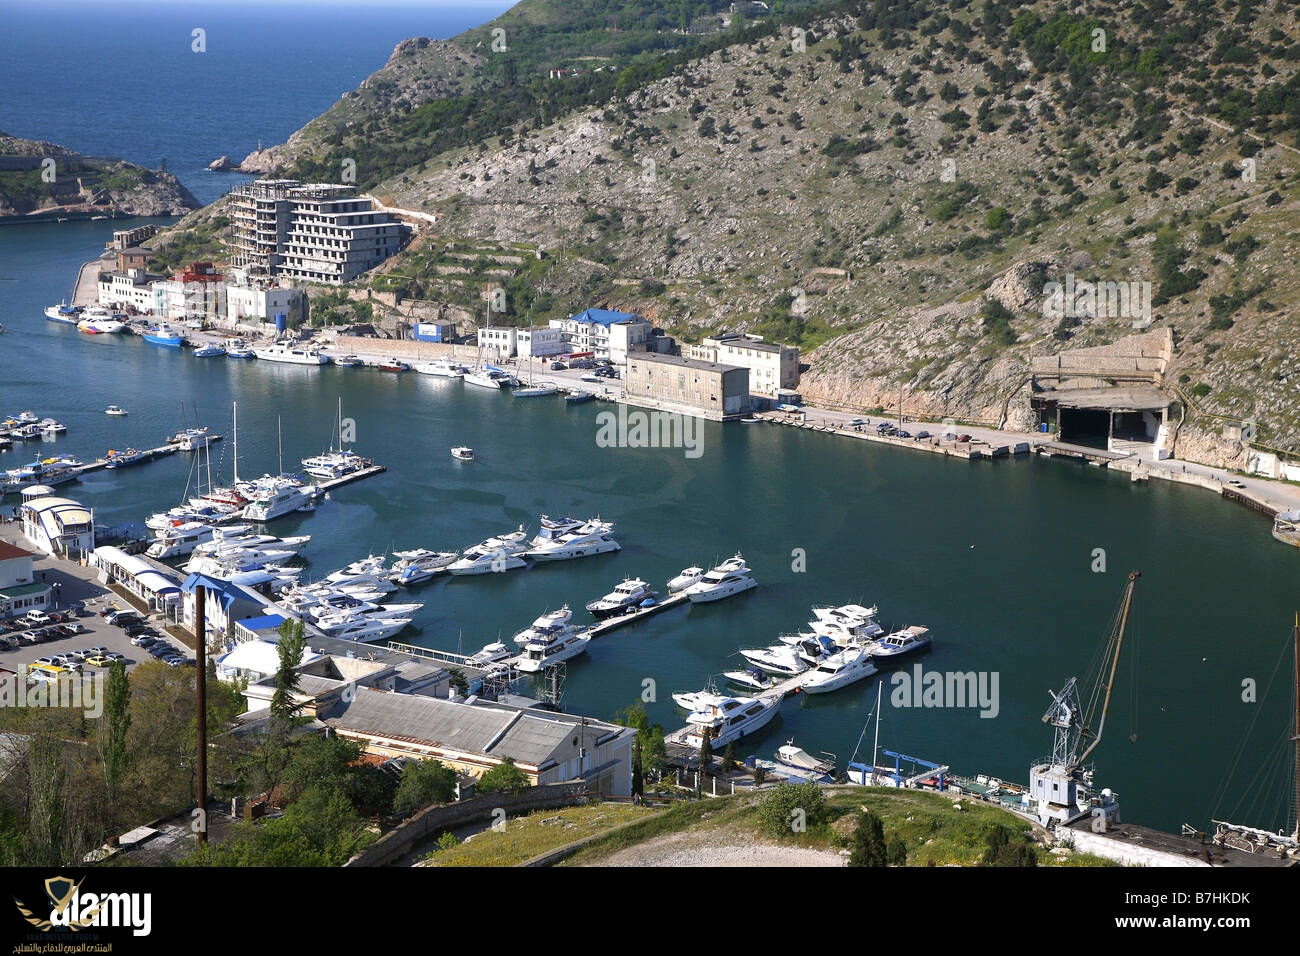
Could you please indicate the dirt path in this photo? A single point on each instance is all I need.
(717, 849)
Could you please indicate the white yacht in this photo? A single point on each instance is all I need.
(443, 367)
(290, 353)
(489, 376)
(192, 439)
(548, 623)
(752, 677)
(778, 659)
(359, 627)
(499, 553)
(489, 654)
(626, 596)
(365, 569)
(838, 670)
(280, 500)
(699, 699)
(552, 528)
(594, 537)
(183, 539)
(420, 564)
(334, 464)
(847, 624)
(909, 640)
(97, 321)
(552, 646)
(686, 579)
(728, 578)
(215, 564)
(730, 719)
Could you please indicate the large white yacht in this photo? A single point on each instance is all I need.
(685, 579)
(729, 719)
(419, 564)
(626, 596)
(360, 627)
(728, 578)
(593, 537)
(838, 670)
(489, 376)
(778, 659)
(909, 640)
(443, 367)
(279, 500)
(547, 623)
(552, 528)
(550, 646)
(290, 353)
(334, 464)
(848, 624)
(499, 553)
(185, 538)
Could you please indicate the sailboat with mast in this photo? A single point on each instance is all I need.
(338, 461)
(1256, 839)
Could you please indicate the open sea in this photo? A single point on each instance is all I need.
(1017, 566)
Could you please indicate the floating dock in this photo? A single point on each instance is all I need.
(169, 449)
(350, 477)
(622, 620)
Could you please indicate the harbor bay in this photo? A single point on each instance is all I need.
(1015, 565)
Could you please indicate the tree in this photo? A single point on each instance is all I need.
(1003, 850)
(459, 680)
(706, 750)
(638, 779)
(869, 842)
(729, 757)
(505, 777)
(897, 852)
(423, 782)
(284, 709)
(116, 724)
(792, 808)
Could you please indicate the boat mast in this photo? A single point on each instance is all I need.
(875, 747)
(1118, 639)
(234, 429)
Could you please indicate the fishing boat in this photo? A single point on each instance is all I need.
(211, 350)
(67, 314)
(166, 335)
(462, 453)
(115, 410)
(238, 349)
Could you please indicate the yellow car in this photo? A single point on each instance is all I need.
(99, 660)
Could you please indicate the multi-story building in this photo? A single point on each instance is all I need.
(541, 341)
(499, 342)
(20, 592)
(771, 367)
(131, 290)
(314, 232)
(199, 291)
(591, 331)
(686, 385)
(250, 300)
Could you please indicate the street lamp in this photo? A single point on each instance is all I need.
(56, 587)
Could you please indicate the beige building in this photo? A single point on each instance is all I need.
(689, 386)
(771, 367)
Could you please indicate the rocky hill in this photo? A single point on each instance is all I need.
(37, 177)
(897, 187)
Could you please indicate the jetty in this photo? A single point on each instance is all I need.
(332, 483)
(170, 448)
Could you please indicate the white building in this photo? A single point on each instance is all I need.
(500, 342)
(589, 331)
(193, 293)
(771, 367)
(59, 526)
(158, 590)
(251, 301)
(313, 232)
(132, 289)
(20, 592)
(541, 341)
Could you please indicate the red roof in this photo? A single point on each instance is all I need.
(8, 551)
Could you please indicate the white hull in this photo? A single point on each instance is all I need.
(441, 369)
(703, 593)
(484, 380)
(571, 648)
(484, 565)
(832, 673)
(573, 550)
(290, 356)
(727, 733)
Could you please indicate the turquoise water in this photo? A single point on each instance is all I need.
(995, 557)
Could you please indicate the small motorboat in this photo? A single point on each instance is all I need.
(211, 350)
(238, 349)
(393, 365)
(463, 453)
(115, 410)
(349, 361)
(577, 398)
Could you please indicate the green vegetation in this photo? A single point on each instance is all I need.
(504, 777)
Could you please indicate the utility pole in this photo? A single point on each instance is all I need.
(200, 653)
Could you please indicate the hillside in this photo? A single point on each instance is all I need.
(40, 177)
(866, 183)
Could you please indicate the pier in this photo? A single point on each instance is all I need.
(622, 620)
(151, 453)
(332, 483)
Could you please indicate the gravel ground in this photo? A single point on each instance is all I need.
(695, 849)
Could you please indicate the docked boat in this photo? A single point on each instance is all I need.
(463, 453)
(277, 501)
(909, 640)
(184, 538)
(547, 623)
(536, 391)
(211, 350)
(840, 669)
(349, 361)
(369, 567)
(45, 472)
(291, 354)
(751, 677)
(51, 428)
(625, 597)
(360, 627)
(694, 700)
(499, 553)
(166, 335)
(577, 398)
(777, 659)
(115, 410)
(443, 367)
(793, 759)
(121, 459)
(67, 314)
(238, 349)
(191, 439)
(552, 528)
(489, 654)
(100, 322)
(728, 578)
(688, 577)
(489, 376)
(848, 623)
(551, 646)
(593, 537)
(730, 719)
(814, 648)
(420, 564)
(335, 464)
(392, 365)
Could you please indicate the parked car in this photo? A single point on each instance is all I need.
(1236, 483)
(963, 437)
(121, 617)
(558, 366)
(922, 434)
(132, 630)
(76, 627)
(854, 422)
(884, 427)
(161, 649)
(38, 618)
(99, 660)
(145, 640)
